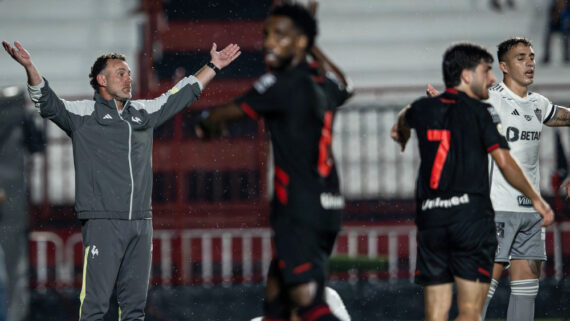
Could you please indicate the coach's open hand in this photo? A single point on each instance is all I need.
(223, 58)
(21, 55)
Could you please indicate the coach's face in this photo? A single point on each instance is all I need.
(115, 80)
(482, 79)
(519, 64)
(283, 43)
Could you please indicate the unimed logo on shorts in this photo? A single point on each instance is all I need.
(332, 202)
(524, 201)
(445, 203)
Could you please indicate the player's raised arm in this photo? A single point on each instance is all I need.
(23, 57)
(218, 60)
(401, 131)
(516, 177)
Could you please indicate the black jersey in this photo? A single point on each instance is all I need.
(455, 133)
(298, 107)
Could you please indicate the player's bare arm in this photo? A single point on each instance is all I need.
(566, 185)
(561, 118)
(401, 131)
(516, 177)
(23, 57)
(219, 59)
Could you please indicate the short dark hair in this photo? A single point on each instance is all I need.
(301, 17)
(462, 56)
(100, 64)
(506, 45)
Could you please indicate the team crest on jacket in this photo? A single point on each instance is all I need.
(94, 252)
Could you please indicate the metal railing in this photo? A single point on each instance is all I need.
(225, 256)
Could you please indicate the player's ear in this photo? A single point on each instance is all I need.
(466, 76)
(302, 43)
(503, 67)
(102, 80)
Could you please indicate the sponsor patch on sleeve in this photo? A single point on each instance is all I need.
(494, 115)
(174, 90)
(264, 82)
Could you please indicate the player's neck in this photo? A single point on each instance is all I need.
(466, 90)
(298, 59)
(518, 89)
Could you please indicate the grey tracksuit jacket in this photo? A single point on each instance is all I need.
(112, 150)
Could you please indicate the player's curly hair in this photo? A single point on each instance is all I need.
(100, 64)
(506, 45)
(462, 56)
(301, 17)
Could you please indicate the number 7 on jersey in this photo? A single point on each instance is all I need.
(444, 137)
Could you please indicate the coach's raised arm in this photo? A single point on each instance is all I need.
(22, 56)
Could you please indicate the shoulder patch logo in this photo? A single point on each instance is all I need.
(264, 83)
(494, 115)
(538, 114)
(515, 113)
(174, 90)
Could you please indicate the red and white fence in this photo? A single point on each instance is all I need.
(208, 256)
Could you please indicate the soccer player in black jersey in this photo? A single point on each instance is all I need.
(456, 232)
(298, 106)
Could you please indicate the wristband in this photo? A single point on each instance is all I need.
(214, 68)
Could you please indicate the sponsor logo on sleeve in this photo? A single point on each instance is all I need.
(264, 83)
(500, 129)
(494, 115)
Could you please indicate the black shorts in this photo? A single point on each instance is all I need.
(301, 252)
(464, 249)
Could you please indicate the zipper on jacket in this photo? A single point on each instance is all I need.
(130, 161)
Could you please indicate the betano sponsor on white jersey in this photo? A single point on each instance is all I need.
(521, 120)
